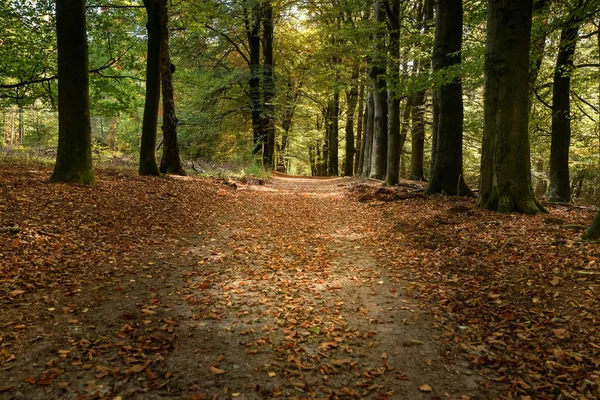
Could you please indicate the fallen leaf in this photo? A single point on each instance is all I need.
(425, 388)
(216, 371)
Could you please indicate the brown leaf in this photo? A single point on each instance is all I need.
(425, 388)
(216, 371)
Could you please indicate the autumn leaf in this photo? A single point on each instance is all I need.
(425, 388)
(216, 371)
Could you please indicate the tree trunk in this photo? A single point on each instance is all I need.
(358, 157)
(74, 155)
(148, 162)
(506, 118)
(393, 121)
(333, 112)
(560, 189)
(252, 24)
(447, 173)
(170, 162)
(351, 100)
(418, 108)
(370, 121)
(268, 121)
(593, 232)
(380, 143)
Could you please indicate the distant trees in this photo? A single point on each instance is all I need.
(74, 155)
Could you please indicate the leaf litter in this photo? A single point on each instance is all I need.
(189, 288)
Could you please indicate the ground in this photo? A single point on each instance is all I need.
(199, 288)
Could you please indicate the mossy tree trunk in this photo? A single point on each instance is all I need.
(170, 163)
(447, 169)
(74, 155)
(506, 137)
(148, 162)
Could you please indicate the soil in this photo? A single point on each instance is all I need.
(281, 295)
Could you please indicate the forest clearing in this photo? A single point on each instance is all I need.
(193, 288)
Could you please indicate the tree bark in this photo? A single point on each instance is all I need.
(380, 143)
(506, 118)
(359, 130)
(447, 169)
(351, 100)
(393, 121)
(268, 121)
(148, 162)
(252, 25)
(370, 121)
(418, 107)
(593, 232)
(170, 163)
(560, 189)
(74, 155)
(333, 113)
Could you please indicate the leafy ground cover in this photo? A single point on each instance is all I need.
(197, 288)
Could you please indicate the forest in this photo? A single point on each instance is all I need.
(256, 199)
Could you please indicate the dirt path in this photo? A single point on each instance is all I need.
(282, 297)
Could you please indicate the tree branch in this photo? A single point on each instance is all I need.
(540, 99)
(235, 45)
(584, 101)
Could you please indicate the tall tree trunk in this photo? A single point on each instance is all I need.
(447, 172)
(333, 112)
(393, 120)
(380, 143)
(74, 155)
(560, 189)
(170, 162)
(369, 126)
(359, 130)
(252, 25)
(418, 106)
(351, 100)
(268, 86)
(148, 163)
(506, 118)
